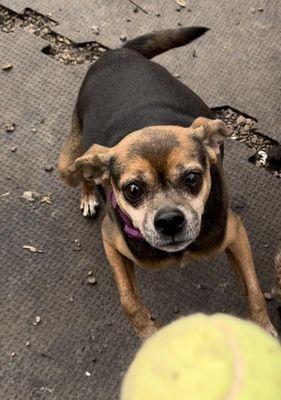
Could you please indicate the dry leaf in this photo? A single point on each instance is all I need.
(30, 196)
(32, 248)
(46, 199)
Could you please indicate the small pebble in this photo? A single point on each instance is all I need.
(10, 127)
(135, 9)
(33, 130)
(90, 273)
(241, 120)
(7, 67)
(13, 354)
(92, 280)
(14, 149)
(71, 299)
(158, 15)
(194, 54)
(128, 20)
(77, 245)
(268, 296)
(48, 168)
(176, 75)
(37, 320)
(27, 344)
(95, 30)
(88, 373)
(123, 38)
(179, 24)
(178, 8)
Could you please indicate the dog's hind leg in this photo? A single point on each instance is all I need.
(240, 256)
(71, 150)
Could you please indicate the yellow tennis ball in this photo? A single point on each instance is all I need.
(202, 357)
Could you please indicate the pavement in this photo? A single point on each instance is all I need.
(83, 343)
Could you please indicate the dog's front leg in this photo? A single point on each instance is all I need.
(124, 273)
(240, 256)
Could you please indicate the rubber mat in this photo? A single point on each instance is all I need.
(82, 343)
(235, 64)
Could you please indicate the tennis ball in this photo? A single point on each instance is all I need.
(204, 357)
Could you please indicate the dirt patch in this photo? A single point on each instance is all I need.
(60, 47)
(245, 132)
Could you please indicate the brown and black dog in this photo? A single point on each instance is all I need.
(150, 146)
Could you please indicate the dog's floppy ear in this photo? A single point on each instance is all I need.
(93, 164)
(212, 133)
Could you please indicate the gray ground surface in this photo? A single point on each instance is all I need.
(237, 64)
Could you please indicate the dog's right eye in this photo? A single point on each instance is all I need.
(133, 192)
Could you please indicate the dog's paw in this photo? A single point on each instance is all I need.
(89, 204)
(147, 330)
(270, 329)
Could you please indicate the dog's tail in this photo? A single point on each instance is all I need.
(153, 44)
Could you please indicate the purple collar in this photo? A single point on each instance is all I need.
(130, 230)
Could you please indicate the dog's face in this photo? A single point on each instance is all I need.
(161, 178)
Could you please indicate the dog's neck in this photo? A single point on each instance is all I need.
(129, 229)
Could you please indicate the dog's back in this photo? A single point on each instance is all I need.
(125, 91)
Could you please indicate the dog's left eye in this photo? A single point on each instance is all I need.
(133, 192)
(193, 179)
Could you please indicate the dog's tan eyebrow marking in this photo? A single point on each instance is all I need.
(156, 148)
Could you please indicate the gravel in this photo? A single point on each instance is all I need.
(244, 131)
(60, 48)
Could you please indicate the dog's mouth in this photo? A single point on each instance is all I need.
(175, 246)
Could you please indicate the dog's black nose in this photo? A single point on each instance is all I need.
(169, 221)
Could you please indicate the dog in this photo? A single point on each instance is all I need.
(151, 149)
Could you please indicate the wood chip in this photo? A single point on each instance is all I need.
(7, 67)
(181, 3)
(33, 249)
(4, 195)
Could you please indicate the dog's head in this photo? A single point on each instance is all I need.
(160, 176)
